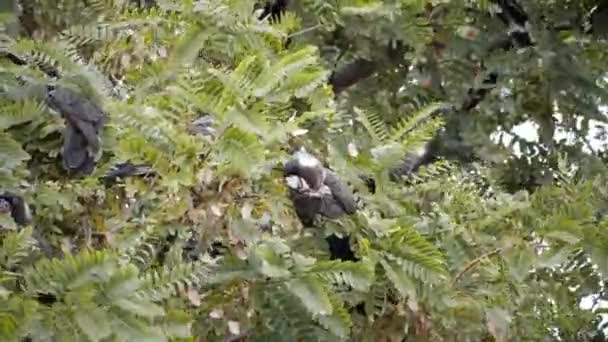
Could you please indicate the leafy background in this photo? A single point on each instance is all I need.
(484, 244)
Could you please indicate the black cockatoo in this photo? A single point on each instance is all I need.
(513, 16)
(316, 190)
(83, 123)
(16, 206)
(273, 9)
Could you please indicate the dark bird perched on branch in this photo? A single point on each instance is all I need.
(316, 190)
(595, 21)
(16, 206)
(515, 18)
(83, 123)
(339, 248)
(273, 9)
(512, 12)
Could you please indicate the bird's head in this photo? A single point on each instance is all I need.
(51, 96)
(301, 159)
(294, 182)
(306, 167)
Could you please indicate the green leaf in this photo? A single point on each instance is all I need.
(339, 322)
(599, 256)
(11, 153)
(125, 288)
(369, 7)
(358, 275)
(177, 324)
(269, 259)
(563, 236)
(93, 274)
(400, 279)
(94, 322)
(554, 258)
(312, 294)
(498, 321)
(4, 293)
(140, 307)
(7, 222)
(15, 247)
(131, 328)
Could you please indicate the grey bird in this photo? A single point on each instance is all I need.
(83, 123)
(316, 190)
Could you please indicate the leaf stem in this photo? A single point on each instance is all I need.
(473, 263)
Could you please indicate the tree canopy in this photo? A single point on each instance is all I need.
(142, 143)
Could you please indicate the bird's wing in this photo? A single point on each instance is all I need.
(515, 11)
(89, 132)
(88, 166)
(306, 207)
(74, 148)
(341, 193)
(331, 207)
(77, 107)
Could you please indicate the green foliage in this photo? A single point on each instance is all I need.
(457, 253)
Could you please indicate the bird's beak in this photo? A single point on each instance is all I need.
(293, 182)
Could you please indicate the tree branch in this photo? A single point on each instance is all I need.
(473, 263)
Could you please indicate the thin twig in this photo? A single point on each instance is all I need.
(306, 30)
(473, 263)
(588, 144)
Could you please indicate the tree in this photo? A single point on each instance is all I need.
(476, 246)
